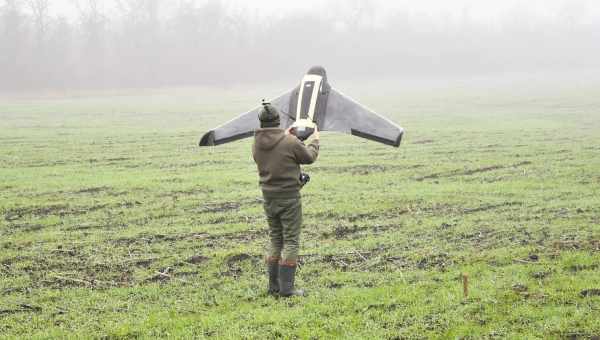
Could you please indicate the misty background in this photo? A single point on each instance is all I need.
(64, 44)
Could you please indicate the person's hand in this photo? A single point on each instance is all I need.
(315, 134)
(290, 131)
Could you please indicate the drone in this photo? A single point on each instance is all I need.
(310, 105)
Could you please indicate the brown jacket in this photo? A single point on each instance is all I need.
(278, 157)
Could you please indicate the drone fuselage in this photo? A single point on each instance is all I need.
(309, 101)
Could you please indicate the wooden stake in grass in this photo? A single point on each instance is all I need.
(465, 280)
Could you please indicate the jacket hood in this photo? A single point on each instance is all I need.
(268, 138)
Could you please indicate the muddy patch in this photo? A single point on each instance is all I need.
(161, 276)
(382, 306)
(118, 159)
(541, 275)
(17, 213)
(235, 263)
(366, 216)
(361, 169)
(430, 176)
(92, 190)
(484, 169)
(143, 263)
(593, 245)
(47, 164)
(197, 259)
(469, 172)
(26, 227)
(245, 236)
(423, 141)
(590, 292)
(358, 260)
(57, 210)
(219, 207)
(96, 277)
(579, 336)
(435, 261)
(22, 308)
(191, 165)
(341, 232)
(354, 231)
(334, 285)
(487, 207)
(188, 192)
(482, 237)
(581, 267)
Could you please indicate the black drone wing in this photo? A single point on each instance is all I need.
(345, 115)
(243, 126)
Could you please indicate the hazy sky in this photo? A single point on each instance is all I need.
(489, 11)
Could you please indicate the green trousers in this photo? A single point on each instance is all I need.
(285, 221)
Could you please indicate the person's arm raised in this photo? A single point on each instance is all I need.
(307, 154)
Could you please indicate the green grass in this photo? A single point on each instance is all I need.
(103, 192)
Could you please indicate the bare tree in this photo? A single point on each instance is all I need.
(14, 44)
(93, 45)
(41, 19)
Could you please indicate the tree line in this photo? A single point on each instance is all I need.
(149, 43)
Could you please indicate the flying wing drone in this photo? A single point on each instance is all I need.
(313, 103)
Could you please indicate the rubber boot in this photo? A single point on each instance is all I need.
(273, 271)
(287, 274)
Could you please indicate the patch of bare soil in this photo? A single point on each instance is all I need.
(430, 176)
(22, 308)
(541, 274)
(331, 215)
(188, 192)
(358, 260)
(593, 245)
(192, 165)
(470, 172)
(437, 261)
(59, 210)
(341, 232)
(17, 213)
(484, 169)
(579, 336)
(482, 237)
(361, 169)
(487, 207)
(85, 226)
(244, 236)
(334, 285)
(46, 164)
(350, 232)
(92, 190)
(423, 141)
(118, 159)
(97, 277)
(234, 263)
(11, 290)
(590, 292)
(197, 259)
(382, 306)
(144, 263)
(161, 276)
(26, 227)
(219, 207)
(580, 267)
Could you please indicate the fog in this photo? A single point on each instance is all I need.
(88, 44)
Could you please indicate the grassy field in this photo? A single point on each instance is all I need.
(115, 225)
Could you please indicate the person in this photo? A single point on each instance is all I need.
(278, 155)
